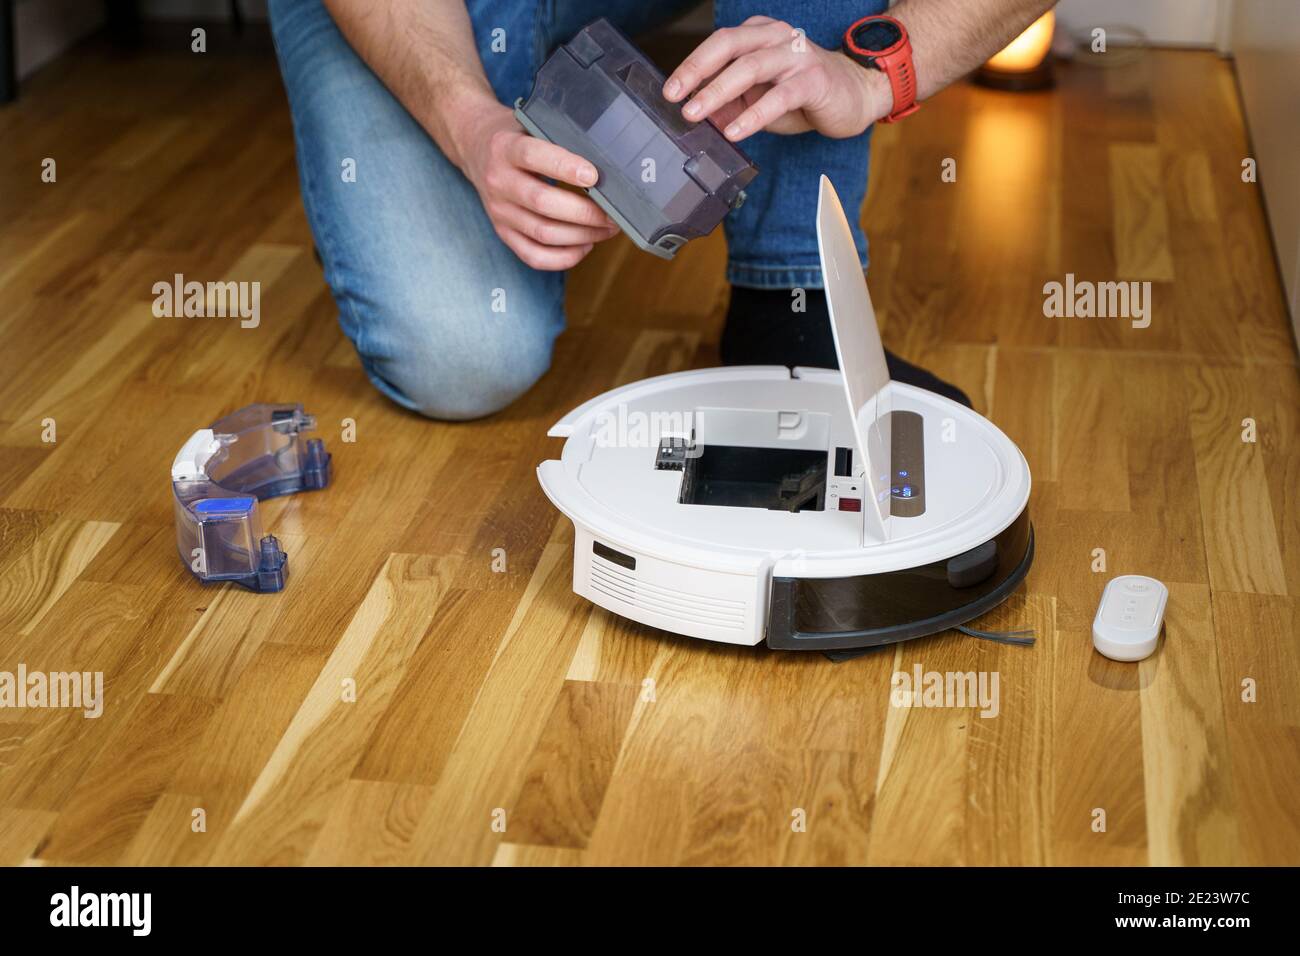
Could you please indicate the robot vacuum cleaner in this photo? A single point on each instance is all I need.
(807, 508)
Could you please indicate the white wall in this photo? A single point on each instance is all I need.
(1165, 22)
(1265, 39)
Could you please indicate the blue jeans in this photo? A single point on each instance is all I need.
(446, 320)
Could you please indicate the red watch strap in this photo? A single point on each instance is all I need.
(902, 82)
(895, 62)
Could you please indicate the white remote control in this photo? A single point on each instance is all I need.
(1127, 625)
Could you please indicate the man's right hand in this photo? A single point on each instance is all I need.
(547, 227)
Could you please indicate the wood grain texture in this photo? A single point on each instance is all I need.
(1140, 216)
(408, 700)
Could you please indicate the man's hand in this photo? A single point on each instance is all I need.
(768, 75)
(546, 226)
(425, 54)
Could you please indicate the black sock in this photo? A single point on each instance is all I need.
(763, 328)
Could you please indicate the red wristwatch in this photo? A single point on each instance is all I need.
(881, 42)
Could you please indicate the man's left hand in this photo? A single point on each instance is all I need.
(768, 75)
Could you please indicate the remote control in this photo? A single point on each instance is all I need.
(1129, 617)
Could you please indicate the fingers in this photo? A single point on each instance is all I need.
(743, 74)
(550, 202)
(546, 258)
(519, 161)
(718, 50)
(549, 160)
(781, 99)
(550, 232)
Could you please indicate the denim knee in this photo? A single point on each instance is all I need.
(453, 358)
(446, 319)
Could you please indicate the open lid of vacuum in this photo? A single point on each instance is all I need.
(861, 355)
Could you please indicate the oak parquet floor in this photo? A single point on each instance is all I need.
(501, 720)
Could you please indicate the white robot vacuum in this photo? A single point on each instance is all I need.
(807, 508)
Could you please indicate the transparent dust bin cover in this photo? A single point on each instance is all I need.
(219, 476)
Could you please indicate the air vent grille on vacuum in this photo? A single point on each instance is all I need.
(621, 584)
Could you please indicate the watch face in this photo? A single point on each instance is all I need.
(876, 36)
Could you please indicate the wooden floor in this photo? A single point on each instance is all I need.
(604, 742)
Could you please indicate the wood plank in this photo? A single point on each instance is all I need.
(1009, 751)
(1240, 531)
(513, 854)
(35, 580)
(440, 687)
(221, 769)
(235, 623)
(118, 789)
(569, 771)
(371, 824)
(21, 832)
(1186, 769)
(506, 719)
(338, 715)
(1141, 217)
(1091, 453)
(920, 797)
(1255, 637)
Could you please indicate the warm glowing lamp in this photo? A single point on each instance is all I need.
(1024, 63)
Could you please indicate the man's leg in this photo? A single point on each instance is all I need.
(446, 320)
(772, 238)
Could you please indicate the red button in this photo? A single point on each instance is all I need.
(850, 504)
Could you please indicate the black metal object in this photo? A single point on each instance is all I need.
(8, 53)
(122, 22)
(673, 454)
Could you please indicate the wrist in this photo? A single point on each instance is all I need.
(459, 119)
(880, 43)
(877, 92)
